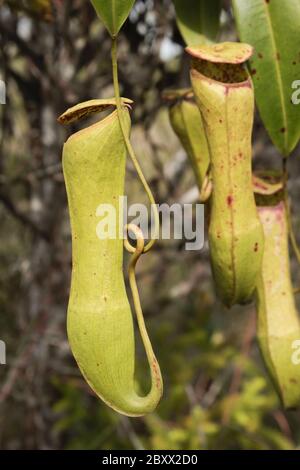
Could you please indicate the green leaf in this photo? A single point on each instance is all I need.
(113, 13)
(198, 20)
(272, 27)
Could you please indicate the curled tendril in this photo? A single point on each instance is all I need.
(206, 188)
(137, 250)
(140, 248)
(131, 151)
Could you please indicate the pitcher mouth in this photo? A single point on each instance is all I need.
(89, 108)
(86, 108)
(246, 83)
(223, 63)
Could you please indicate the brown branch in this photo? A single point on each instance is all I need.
(17, 214)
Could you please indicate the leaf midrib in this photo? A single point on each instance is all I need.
(278, 72)
(113, 5)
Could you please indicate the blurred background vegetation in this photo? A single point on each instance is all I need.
(54, 54)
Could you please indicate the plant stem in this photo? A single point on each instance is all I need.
(130, 149)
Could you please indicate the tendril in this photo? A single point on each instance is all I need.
(140, 248)
(136, 253)
(131, 151)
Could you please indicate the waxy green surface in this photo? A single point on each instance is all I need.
(278, 319)
(100, 326)
(227, 109)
